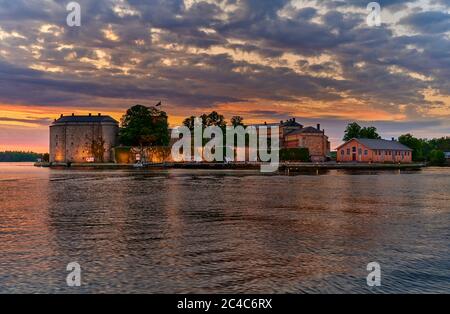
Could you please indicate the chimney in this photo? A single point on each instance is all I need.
(265, 122)
(99, 114)
(293, 119)
(61, 115)
(90, 114)
(318, 126)
(73, 114)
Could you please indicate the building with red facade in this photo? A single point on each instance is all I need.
(295, 135)
(374, 150)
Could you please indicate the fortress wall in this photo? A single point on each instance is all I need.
(57, 143)
(110, 135)
(72, 142)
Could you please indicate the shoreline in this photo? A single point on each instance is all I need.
(284, 166)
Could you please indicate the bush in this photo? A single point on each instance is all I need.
(437, 157)
(294, 154)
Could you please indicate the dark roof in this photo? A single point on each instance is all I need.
(291, 123)
(308, 129)
(264, 124)
(381, 144)
(85, 119)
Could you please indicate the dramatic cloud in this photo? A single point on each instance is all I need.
(265, 59)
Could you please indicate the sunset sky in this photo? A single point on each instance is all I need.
(266, 60)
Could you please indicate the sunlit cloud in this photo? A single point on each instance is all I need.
(264, 60)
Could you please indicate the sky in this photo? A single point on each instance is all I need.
(266, 60)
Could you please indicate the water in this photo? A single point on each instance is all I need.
(188, 231)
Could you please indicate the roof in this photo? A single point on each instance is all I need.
(85, 119)
(290, 123)
(308, 129)
(264, 124)
(380, 144)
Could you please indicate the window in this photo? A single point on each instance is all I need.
(342, 152)
(354, 149)
(366, 152)
(348, 151)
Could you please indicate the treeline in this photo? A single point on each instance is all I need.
(148, 126)
(18, 156)
(431, 151)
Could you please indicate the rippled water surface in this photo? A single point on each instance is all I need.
(190, 231)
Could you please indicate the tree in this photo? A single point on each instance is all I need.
(354, 130)
(417, 145)
(189, 122)
(437, 157)
(427, 150)
(237, 121)
(212, 119)
(369, 132)
(16, 156)
(442, 143)
(98, 149)
(144, 126)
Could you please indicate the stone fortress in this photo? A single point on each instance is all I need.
(94, 139)
(81, 139)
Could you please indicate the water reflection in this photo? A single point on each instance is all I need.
(223, 231)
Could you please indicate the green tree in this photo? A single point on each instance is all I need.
(417, 145)
(427, 150)
(212, 119)
(437, 157)
(17, 156)
(189, 122)
(237, 121)
(369, 132)
(353, 130)
(442, 143)
(144, 126)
